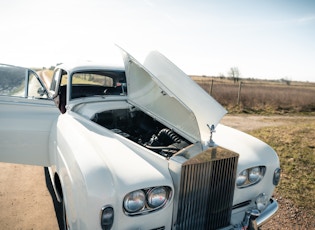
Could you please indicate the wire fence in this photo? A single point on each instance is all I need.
(260, 95)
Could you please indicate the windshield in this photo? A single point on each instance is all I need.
(91, 83)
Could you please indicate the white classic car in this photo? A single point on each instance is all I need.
(138, 147)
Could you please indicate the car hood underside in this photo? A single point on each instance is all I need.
(161, 89)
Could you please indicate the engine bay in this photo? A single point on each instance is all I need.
(142, 129)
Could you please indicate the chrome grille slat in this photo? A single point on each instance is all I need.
(206, 190)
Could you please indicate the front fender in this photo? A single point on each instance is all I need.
(98, 168)
(252, 152)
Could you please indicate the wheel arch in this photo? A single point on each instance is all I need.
(58, 187)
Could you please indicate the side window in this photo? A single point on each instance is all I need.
(20, 82)
(35, 89)
(12, 81)
(64, 78)
(55, 79)
(59, 75)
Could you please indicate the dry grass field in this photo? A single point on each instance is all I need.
(295, 146)
(261, 97)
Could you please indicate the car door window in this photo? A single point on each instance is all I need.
(35, 89)
(12, 81)
(20, 82)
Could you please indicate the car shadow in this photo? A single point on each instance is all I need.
(57, 205)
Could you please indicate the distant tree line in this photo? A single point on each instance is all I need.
(235, 75)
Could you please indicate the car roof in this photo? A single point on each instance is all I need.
(88, 65)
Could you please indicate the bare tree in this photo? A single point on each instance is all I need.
(234, 73)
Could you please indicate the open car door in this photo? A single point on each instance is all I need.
(26, 117)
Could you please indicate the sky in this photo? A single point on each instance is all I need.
(265, 39)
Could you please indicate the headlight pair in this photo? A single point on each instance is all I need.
(146, 200)
(250, 176)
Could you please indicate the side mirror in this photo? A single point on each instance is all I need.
(41, 91)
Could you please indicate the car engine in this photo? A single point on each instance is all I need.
(142, 129)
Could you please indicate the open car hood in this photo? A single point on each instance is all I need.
(161, 89)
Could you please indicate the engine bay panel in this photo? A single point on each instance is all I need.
(142, 129)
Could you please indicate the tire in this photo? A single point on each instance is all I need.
(65, 223)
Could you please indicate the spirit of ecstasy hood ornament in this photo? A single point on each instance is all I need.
(212, 130)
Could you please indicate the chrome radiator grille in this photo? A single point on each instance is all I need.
(206, 190)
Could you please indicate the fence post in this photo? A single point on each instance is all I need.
(211, 86)
(239, 93)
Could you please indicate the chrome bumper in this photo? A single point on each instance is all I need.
(253, 218)
(266, 215)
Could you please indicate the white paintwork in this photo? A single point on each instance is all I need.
(25, 127)
(181, 87)
(97, 167)
(252, 152)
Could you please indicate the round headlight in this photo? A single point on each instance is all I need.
(250, 176)
(241, 179)
(134, 201)
(254, 174)
(157, 197)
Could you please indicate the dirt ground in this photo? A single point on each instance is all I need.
(26, 202)
(24, 199)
